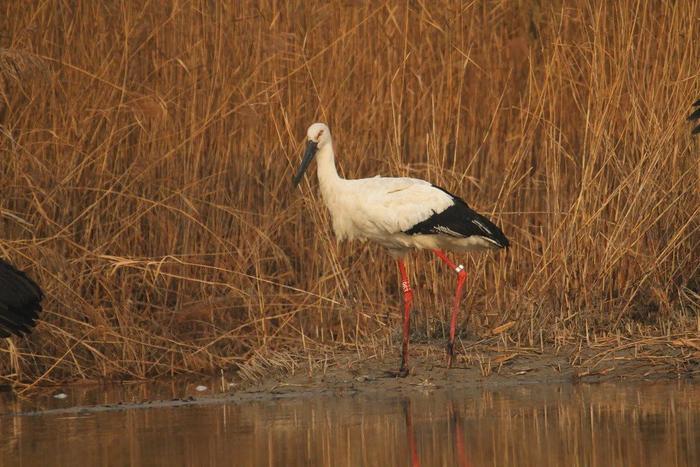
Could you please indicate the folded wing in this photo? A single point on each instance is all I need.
(20, 301)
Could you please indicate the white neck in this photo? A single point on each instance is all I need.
(328, 177)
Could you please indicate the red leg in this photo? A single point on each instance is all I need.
(407, 299)
(461, 277)
(462, 458)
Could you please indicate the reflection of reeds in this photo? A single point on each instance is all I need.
(596, 425)
(146, 180)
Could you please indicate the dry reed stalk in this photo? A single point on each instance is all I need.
(146, 179)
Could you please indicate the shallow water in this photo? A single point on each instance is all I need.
(604, 424)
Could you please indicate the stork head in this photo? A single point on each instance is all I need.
(317, 136)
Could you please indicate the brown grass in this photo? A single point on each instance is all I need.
(147, 150)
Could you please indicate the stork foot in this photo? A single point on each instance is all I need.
(401, 373)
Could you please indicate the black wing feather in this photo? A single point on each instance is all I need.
(20, 301)
(694, 116)
(461, 221)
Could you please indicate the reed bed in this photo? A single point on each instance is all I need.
(147, 150)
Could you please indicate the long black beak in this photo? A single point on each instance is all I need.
(309, 154)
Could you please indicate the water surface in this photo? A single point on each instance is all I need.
(528, 425)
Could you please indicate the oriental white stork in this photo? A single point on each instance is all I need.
(20, 301)
(400, 214)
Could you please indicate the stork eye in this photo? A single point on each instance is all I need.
(318, 136)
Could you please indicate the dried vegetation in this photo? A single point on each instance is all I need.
(146, 151)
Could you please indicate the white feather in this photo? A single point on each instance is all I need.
(377, 207)
(382, 208)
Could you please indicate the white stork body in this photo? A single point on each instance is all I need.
(381, 209)
(386, 209)
(400, 214)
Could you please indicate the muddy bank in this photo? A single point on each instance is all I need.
(477, 367)
(347, 373)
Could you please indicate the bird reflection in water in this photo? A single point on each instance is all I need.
(454, 419)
